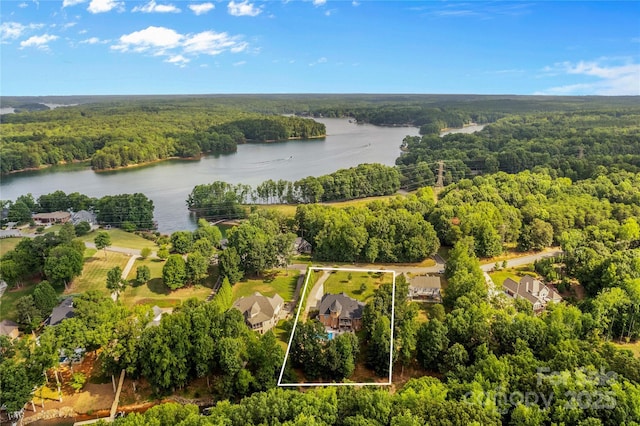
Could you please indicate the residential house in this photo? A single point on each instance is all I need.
(157, 315)
(301, 246)
(533, 290)
(425, 288)
(84, 216)
(261, 313)
(50, 218)
(9, 328)
(61, 312)
(340, 312)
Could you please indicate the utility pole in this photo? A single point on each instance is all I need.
(440, 181)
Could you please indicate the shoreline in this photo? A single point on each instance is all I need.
(146, 163)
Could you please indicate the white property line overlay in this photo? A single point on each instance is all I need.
(302, 298)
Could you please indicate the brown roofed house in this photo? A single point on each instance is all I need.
(9, 328)
(533, 290)
(261, 313)
(53, 217)
(340, 312)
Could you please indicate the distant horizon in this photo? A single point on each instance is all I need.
(173, 47)
(315, 94)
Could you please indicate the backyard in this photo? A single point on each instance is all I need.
(155, 292)
(358, 285)
(276, 281)
(120, 238)
(94, 272)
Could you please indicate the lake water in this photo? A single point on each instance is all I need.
(169, 183)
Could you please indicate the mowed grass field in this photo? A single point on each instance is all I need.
(10, 298)
(276, 281)
(290, 209)
(155, 292)
(120, 238)
(339, 282)
(94, 273)
(8, 244)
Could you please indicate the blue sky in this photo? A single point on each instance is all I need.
(73, 47)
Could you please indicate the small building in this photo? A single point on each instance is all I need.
(157, 313)
(301, 246)
(50, 218)
(533, 290)
(340, 312)
(261, 313)
(9, 328)
(84, 216)
(61, 312)
(425, 288)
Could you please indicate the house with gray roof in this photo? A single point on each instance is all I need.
(533, 290)
(61, 312)
(261, 313)
(84, 216)
(340, 312)
(425, 288)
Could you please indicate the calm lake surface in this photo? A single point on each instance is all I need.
(169, 183)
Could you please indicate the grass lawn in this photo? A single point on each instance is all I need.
(633, 347)
(94, 273)
(8, 244)
(290, 209)
(281, 334)
(10, 298)
(155, 292)
(276, 281)
(119, 238)
(339, 282)
(515, 274)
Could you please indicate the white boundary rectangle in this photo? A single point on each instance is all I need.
(302, 299)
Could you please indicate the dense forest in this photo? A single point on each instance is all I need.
(128, 211)
(570, 144)
(223, 200)
(121, 134)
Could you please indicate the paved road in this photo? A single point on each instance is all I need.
(525, 260)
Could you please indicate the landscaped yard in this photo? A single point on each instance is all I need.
(10, 298)
(120, 238)
(276, 281)
(515, 274)
(8, 244)
(155, 292)
(94, 273)
(339, 282)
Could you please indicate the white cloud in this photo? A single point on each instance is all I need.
(201, 8)
(94, 40)
(101, 6)
(239, 63)
(153, 7)
(151, 38)
(243, 8)
(161, 41)
(355, 3)
(178, 60)
(67, 3)
(23, 5)
(40, 42)
(212, 43)
(321, 60)
(319, 2)
(604, 79)
(11, 30)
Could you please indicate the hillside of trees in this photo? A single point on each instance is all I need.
(569, 144)
(112, 135)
